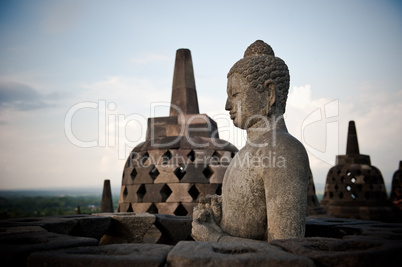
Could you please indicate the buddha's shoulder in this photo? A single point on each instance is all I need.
(287, 143)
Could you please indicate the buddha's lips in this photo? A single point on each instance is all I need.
(232, 115)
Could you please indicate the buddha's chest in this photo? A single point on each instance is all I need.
(243, 177)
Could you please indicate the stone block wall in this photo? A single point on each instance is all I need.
(124, 239)
(171, 181)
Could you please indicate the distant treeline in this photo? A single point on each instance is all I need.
(36, 206)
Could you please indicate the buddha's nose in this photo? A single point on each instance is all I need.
(228, 105)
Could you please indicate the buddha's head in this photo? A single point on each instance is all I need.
(258, 86)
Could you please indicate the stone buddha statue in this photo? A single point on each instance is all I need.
(265, 186)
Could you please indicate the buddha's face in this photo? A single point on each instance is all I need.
(246, 106)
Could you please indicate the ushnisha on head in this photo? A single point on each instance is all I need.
(262, 69)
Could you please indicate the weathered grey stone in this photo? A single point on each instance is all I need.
(167, 208)
(208, 189)
(264, 189)
(172, 153)
(187, 253)
(109, 255)
(355, 189)
(143, 175)
(78, 225)
(194, 174)
(129, 193)
(16, 247)
(173, 228)
(20, 230)
(59, 225)
(90, 226)
(125, 207)
(189, 207)
(354, 251)
(153, 193)
(107, 201)
(166, 174)
(217, 173)
(184, 96)
(180, 193)
(142, 207)
(347, 228)
(127, 227)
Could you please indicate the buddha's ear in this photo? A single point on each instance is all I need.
(270, 88)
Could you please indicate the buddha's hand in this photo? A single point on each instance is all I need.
(206, 218)
(213, 203)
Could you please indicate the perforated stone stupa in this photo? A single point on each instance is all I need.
(182, 158)
(354, 188)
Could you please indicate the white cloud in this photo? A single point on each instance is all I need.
(376, 113)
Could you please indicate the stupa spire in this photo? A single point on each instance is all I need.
(352, 145)
(184, 95)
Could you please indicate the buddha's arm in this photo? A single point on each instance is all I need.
(286, 190)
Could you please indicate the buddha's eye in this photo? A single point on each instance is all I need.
(235, 94)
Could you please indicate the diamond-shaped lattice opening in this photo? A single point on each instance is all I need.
(341, 195)
(208, 172)
(125, 193)
(191, 155)
(133, 174)
(348, 188)
(154, 173)
(130, 208)
(194, 193)
(165, 192)
(154, 236)
(144, 158)
(219, 190)
(180, 172)
(353, 180)
(216, 157)
(166, 157)
(180, 211)
(354, 195)
(336, 187)
(141, 192)
(233, 154)
(152, 209)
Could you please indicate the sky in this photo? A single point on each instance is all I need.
(78, 79)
